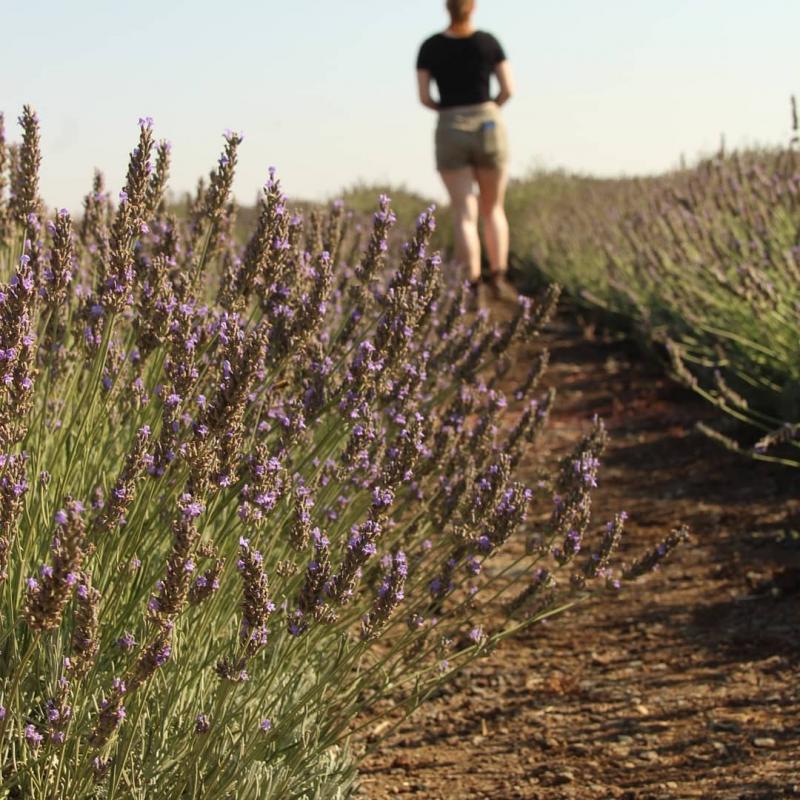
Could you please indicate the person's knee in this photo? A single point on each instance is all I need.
(466, 213)
(489, 208)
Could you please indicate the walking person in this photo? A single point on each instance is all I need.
(471, 141)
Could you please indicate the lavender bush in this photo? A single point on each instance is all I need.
(249, 490)
(704, 262)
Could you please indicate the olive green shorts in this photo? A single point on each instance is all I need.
(471, 136)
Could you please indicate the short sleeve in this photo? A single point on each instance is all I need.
(496, 52)
(424, 56)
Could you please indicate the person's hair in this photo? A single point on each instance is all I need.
(460, 9)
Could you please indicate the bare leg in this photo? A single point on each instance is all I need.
(459, 184)
(491, 199)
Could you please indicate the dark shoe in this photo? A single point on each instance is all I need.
(501, 288)
(475, 299)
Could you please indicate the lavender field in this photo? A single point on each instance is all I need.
(702, 264)
(256, 492)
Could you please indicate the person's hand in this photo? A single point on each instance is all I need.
(506, 81)
(424, 88)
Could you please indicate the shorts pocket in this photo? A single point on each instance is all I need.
(452, 148)
(493, 144)
(490, 138)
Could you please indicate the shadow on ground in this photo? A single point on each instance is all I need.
(683, 686)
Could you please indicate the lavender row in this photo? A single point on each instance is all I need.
(255, 494)
(703, 263)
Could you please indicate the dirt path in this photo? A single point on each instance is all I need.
(685, 686)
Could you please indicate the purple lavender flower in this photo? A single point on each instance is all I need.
(32, 736)
(191, 508)
(162, 655)
(477, 635)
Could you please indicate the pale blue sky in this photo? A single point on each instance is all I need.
(325, 90)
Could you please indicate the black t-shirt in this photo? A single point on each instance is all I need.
(461, 66)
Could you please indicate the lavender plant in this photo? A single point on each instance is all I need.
(702, 262)
(249, 490)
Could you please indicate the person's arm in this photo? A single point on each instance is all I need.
(424, 87)
(506, 81)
